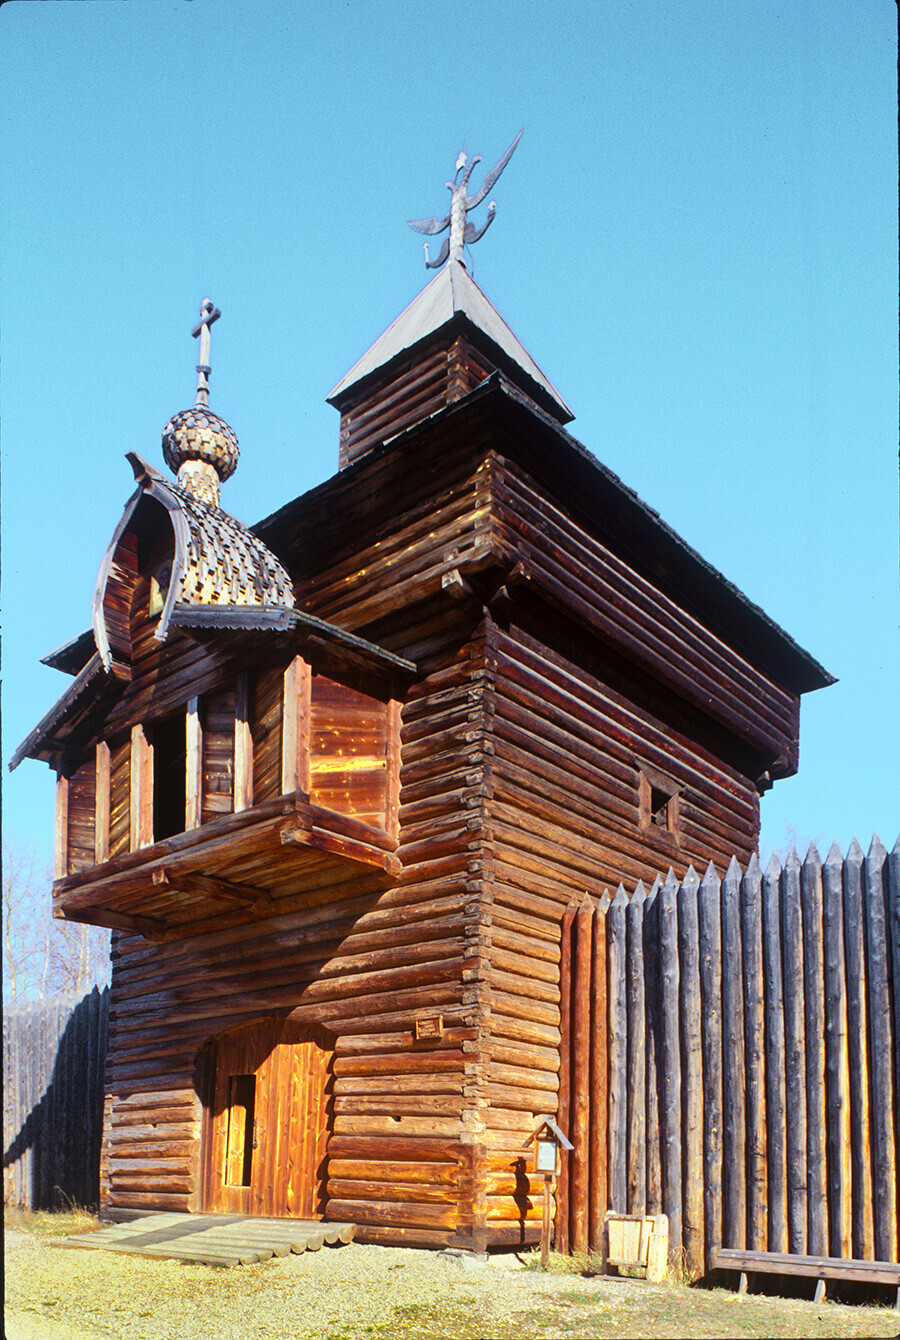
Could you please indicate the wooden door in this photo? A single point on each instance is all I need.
(267, 1124)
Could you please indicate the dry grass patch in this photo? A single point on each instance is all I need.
(50, 1223)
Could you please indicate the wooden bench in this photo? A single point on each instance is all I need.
(819, 1268)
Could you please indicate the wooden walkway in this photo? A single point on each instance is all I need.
(213, 1239)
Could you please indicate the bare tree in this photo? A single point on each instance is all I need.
(42, 956)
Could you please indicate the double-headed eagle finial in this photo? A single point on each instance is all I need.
(461, 231)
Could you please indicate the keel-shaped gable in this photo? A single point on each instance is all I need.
(170, 549)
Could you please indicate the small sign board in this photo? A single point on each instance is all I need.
(430, 1028)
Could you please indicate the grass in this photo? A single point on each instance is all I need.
(50, 1223)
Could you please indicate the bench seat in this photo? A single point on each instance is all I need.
(819, 1268)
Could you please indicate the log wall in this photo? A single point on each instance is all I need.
(363, 957)
(563, 816)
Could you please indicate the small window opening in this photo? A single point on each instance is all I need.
(241, 1138)
(658, 800)
(169, 774)
(659, 807)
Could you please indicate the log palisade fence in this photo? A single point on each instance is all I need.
(54, 1055)
(730, 1058)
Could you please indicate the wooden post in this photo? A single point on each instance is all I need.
(794, 1057)
(599, 1081)
(564, 1109)
(692, 1073)
(618, 1052)
(836, 1063)
(776, 1236)
(671, 1062)
(734, 1157)
(243, 744)
(884, 1159)
(636, 1086)
(892, 874)
(857, 1052)
(61, 844)
(392, 794)
(579, 1126)
(709, 909)
(141, 822)
(754, 1056)
(193, 780)
(545, 1224)
(653, 1047)
(101, 803)
(814, 1029)
(295, 762)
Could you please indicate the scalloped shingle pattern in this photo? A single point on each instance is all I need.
(197, 434)
(225, 563)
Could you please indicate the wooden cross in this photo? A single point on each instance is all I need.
(208, 314)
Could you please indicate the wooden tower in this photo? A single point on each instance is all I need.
(334, 780)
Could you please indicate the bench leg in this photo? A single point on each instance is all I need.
(743, 1282)
(820, 1291)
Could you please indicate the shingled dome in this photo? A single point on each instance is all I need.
(197, 434)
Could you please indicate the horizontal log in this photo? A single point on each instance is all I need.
(392, 1236)
(443, 1105)
(354, 1092)
(394, 1213)
(393, 1148)
(344, 1170)
(149, 1201)
(502, 1234)
(410, 1193)
(395, 1064)
(400, 1127)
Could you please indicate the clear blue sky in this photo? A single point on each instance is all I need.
(696, 240)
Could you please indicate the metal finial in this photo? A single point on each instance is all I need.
(461, 231)
(208, 314)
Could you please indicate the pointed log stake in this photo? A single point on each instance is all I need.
(857, 1052)
(836, 1062)
(893, 904)
(710, 931)
(884, 1159)
(579, 1126)
(206, 886)
(692, 1072)
(670, 1117)
(618, 1052)
(754, 1056)
(774, 1063)
(564, 1108)
(734, 1139)
(599, 1081)
(637, 1054)
(653, 1048)
(795, 1053)
(814, 1023)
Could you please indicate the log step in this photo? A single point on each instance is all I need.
(213, 1239)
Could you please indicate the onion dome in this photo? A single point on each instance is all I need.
(197, 436)
(198, 445)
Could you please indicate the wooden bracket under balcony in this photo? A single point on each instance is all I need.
(209, 887)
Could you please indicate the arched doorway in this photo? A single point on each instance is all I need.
(267, 1120)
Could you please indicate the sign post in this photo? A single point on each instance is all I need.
(547, 1140)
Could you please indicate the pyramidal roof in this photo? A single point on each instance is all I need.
(450, 295)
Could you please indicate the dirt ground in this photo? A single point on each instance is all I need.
(375, 1293)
